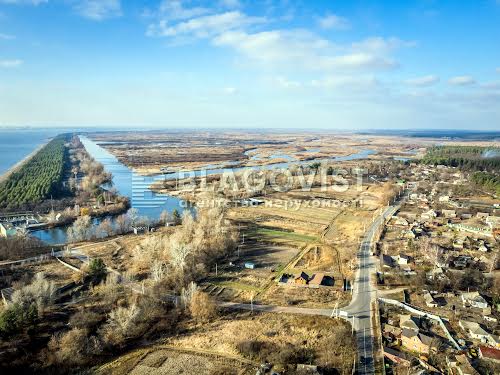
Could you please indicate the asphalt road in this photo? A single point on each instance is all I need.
(364, 293)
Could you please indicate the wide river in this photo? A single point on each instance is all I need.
(146, 201)
(16, 144)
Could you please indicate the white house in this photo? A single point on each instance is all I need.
(403, 259)
(428, 215)
(475, 331)
(474, 299)
(429, 300)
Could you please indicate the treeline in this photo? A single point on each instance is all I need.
(489, 180)
(483, 162)
(37, 179)
(473, 158)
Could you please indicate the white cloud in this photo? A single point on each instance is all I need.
(332, 21)
(24, 2)
(10, 63)
(204, 26)
(381, 46)
(360, 60)
(293, 48)
(462, 80)
(7, 37)
(286, 83)
(299, 48)
(99, 9)
(175, 10)
(423, 81)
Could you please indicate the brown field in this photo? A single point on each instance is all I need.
(147, 152)
(209, 348)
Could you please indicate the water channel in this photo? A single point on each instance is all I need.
(147, 202)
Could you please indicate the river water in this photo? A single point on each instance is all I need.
(147, 202)
(16, 144)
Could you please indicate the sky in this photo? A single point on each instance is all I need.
(334, 64)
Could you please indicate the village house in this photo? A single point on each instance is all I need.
(410, 233)
(316, 280)
(406, 321)
(474, 331)
(415, 341)
(401, 221)
(449, 214)
(460, 365)
(391, 333)
(482, 215)
(482, 247)
(429, 215)
(429, 300)
(397, 356)
(493, 222)
(474, 299)
(301, 279)
(7, 230)
(489, 354)
(403, 259)
(386, 261)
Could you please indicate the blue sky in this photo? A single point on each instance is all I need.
(241, 63)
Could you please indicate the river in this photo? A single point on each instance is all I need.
(147, 202)
(16, 144)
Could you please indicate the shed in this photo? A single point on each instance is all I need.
(301, 278)
(317, 280)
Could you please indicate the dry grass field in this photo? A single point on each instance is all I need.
(238, 342)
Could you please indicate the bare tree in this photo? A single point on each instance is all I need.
(81, 230)
(122, 223)
(178, 253)
(202, 307)
(105, 228)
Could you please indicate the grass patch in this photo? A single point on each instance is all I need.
(278, 235)
(237, 286)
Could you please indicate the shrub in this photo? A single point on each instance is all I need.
(41, 292)
(16, 317)
(85, 319)
(97, 269)
(73, 348)
(202, 307)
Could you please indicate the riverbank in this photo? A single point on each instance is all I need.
(20, 163)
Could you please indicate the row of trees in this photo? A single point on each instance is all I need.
(37, 179)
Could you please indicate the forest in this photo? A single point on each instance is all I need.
(38, 179)
(473, 158)
(484, 162)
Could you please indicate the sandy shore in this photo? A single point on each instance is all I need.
(20, 163)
